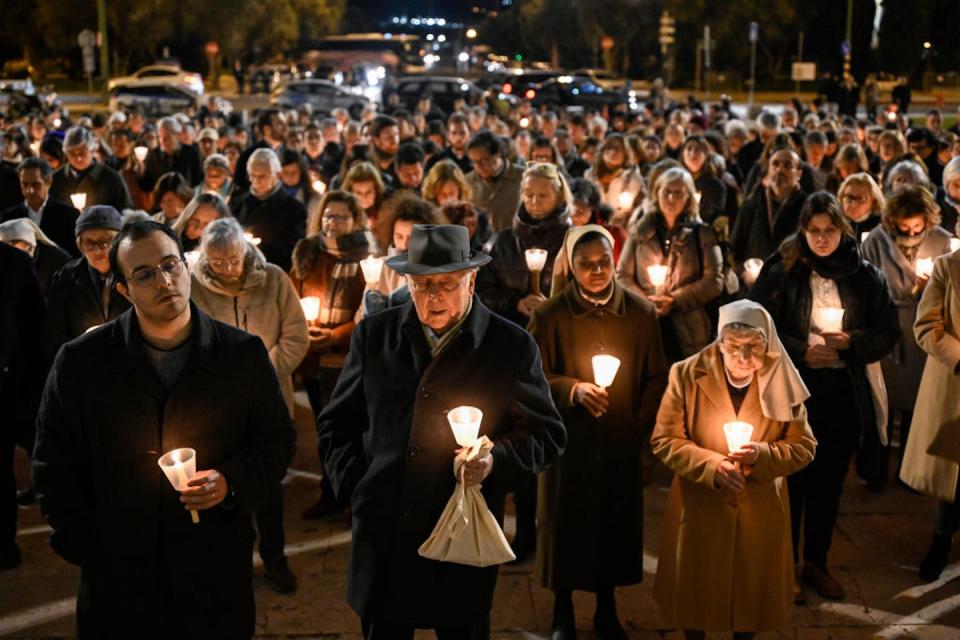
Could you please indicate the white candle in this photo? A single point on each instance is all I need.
(698, 196)
(657, 273)
(311, 308)
(954, 244)
(864, 236)
(924, 267)
(319, 186)
(191, 257)
(605, 369)
(751, 270)
(465, 423)
(140, 152)
(625, 200)
(371, 266)
(179, 465)
(831, 319)
(79, 200)
(737, 434)
(536, 259)
(252, 239)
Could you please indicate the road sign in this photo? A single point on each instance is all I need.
(803, 71)
(754, 32)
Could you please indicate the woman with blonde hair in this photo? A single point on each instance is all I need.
(862, 202)
(617, 175)
(850, 159)
(909, 238)
(674, 236)
(444, 183)
(363, 180)
(203, 209)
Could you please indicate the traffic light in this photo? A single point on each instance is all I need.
(518, 58)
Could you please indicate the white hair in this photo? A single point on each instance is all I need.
(170, 124)
(264, 157)
(77, 136)
(735, 128)
(951, 172)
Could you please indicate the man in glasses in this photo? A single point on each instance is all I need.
(389, 449)
(82, 173)
(154, 380)
(495, 181)
(81, 294)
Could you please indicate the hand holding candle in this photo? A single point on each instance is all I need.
(311, 308)
(605, 369)
(954, 244)
(751, 270)
(924, 267)
(372, 267)
(657, 274)
(625, 200)
(465, 423)
(737, 434)
(179, 466)
(536, 261)
(830, 320)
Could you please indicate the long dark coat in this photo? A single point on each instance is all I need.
(387, 447)
(74, 304)
(102, 185)
(58, 221)
(590, 532)
(279, 221)
(752, 235)
(104, 422)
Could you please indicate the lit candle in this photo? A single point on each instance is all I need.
(831, 319)
(465, 423)
(536, 261)
(625, 200)
(79, 200)
(319, 186)
(924, 267)
(191, 257)
(737, 434)
(657, 273)
(140, 152)
(605, 369)
(371, 266)
(179, 466)
(864, 236)
(698, 196)
(954, 244)
(751, 270)
(249, 237)
(311, 308)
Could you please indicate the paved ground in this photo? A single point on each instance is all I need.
(877, 546)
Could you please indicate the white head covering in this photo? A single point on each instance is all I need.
(564, 259)
(781, 387)
(24, 230)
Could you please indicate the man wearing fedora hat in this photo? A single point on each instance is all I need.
(388, 448)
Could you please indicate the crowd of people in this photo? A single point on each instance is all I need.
(793, 271)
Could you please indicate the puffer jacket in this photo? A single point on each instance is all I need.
(265, 305)
(506, 280)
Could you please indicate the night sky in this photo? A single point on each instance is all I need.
(384, 9)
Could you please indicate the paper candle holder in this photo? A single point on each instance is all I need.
(465, 423)
(311, 308)
(657, 273)
(864, 236)
(605, 369)
(79, 200)
(180, 465)
(751, 269)
(954, 244)
(625, 199)
(372, 268)
(924, 267)
(140, 153)
(319, 186)
(830, 319)
(536, 259)
(738, 434)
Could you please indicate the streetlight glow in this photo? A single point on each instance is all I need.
(471, 33)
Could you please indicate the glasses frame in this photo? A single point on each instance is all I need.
(174, 269)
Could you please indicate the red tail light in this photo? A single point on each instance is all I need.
(507, 87)
(529, 95)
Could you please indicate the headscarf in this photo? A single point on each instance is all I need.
(24, 230)
(781, 387)
(562, 264)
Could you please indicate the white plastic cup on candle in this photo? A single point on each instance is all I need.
(536, 259)
(465, 423)
(751, 270)
(924, 267)
(311, 308)
(954, 244)
(831, 319)
(79, 200)
(698, 196)
(625, 199)
(140, 152)
(249, 237)
(180, 465)
(864, 236)
(319, 186)
(737, 434)
(605, 369)
(191, 258)
(657, 273)
(372, 267)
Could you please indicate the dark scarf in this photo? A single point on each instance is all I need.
(536, 233)
(907, 244)
(843, 262)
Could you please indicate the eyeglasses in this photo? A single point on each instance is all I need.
(425, 286)
(220, 265)
(90, 246)
(146, 276)
(745, 351)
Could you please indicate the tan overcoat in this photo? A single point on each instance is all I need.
(725, 560)
(937, 330)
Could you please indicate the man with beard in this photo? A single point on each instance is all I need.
(385, 140)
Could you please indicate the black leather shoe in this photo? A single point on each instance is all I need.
(608, 627)
(279, 576)
(937, 557)
(564, 625)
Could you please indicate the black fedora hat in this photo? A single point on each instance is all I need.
(437, 248)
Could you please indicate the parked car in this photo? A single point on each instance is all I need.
(525, 85)
(157, 74)
(322, 95)
(265, 78)
(581, 91)
(443, 90)
(158, 99)
(17, 100)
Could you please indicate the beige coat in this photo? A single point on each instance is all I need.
(266, 306)
(937, 330)
(726, 560)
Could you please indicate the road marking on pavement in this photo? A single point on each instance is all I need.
(894, 622)
(918, 591)
(335, 540)
(37, 615)
(29, 531)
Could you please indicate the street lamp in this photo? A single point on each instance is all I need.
(471, 33)
(926, 44)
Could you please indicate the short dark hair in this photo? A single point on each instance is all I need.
(585, 191)
(265, 117)
(138, 231)
(815, 137)
(486, 140)
(457, 118)
(409, 153)
(124, 132)
(922, 134)
(36, 163)
(380, 123)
